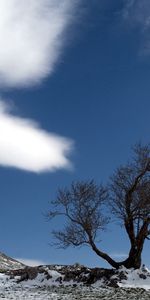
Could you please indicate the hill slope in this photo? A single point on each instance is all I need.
(8, 263)
(75, 282)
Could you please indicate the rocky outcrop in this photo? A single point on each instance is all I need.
(74, 274)
(28, 273)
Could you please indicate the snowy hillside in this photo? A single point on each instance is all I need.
(78, 275)
(43, 287)
(8, 263)
(71, 282)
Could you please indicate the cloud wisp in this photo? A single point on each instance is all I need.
(119, 255)
(31, 262)
(137, 14)
(24, 145)
(32, 35)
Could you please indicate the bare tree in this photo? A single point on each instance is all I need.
(129, 199)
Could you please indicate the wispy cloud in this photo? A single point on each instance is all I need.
(32, 34)
(30, 262)
(137, 14)
(119, 255)
(24, 145)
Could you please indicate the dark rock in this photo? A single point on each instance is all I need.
(143, 276)
(75, 274)
(27, 273)
(59, 279)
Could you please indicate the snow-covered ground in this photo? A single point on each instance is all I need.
(136, 279)
(19, 292)
(8, 263)
(71, 282)
(137, 286)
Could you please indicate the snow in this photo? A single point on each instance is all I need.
(41, 281)
(41, 289)
(136, 286)
(136, 278)
(7, 263)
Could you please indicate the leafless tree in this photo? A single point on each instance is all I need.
(129, 199)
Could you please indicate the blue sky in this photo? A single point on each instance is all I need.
(80, 70)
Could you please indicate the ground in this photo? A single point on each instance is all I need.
(71, 293)
(74, 282)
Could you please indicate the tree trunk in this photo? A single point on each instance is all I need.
(133, 260)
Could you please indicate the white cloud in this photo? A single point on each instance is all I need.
(32, 34)
(24, 145)
(137, 14)
(30, 262)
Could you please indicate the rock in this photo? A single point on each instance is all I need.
(143, 276)
(76, 274)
